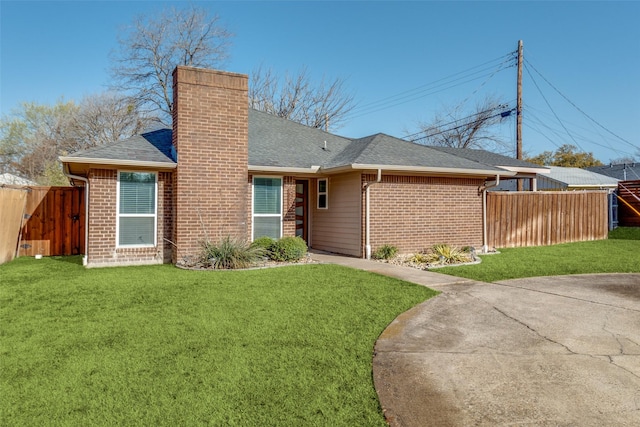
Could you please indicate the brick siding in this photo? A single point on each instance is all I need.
(103, 250)
(414, 213)
(210, 133)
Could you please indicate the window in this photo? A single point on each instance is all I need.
(136, 222)
(267, 207)
(323, 194)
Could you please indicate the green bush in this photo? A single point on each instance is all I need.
(230, 253)
(264, 242)
(385, 252)
(288, 249)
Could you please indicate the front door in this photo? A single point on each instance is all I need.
(302, 208)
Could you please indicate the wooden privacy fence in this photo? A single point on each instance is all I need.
(12, 204)
(54, 222)
(516, 219)
(629, 206)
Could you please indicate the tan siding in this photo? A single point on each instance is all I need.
(338, 228)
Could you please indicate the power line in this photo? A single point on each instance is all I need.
(432, 88)
(579, 109)
(440, 132)
(551, 108)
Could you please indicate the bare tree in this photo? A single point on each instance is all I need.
(457, 129)
(297, 98)
(153, 46)
(106, 118)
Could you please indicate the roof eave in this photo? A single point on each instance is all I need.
(283, 169)
(521, 169)
(119, 162)
(420, 170)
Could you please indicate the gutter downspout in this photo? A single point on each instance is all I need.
(86, 211)
(368, 185)
(483, 190)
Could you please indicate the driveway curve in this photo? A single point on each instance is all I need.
(545, 351)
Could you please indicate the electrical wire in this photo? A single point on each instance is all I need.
(551, 108)
(578, 108)
(434, 87)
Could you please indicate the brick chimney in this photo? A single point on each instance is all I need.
(211, 137)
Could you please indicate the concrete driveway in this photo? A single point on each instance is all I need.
(551, 351)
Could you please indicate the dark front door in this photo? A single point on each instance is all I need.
(302, 208)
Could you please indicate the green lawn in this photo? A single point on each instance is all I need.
(602, 256)
(162, 346)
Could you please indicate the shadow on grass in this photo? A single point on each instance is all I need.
(71, 259)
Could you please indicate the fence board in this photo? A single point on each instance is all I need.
(516, 219)
(12, 204)
(56, 222)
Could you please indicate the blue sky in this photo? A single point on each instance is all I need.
(588, 51)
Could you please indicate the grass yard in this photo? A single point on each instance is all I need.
(158, 345)
(603, 256)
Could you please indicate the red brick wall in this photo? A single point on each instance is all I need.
(210, 133)
(288, 206)
(102, 222)
(413, 212)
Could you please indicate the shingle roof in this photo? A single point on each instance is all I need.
(622, 171)
(154, 146)
(274, 141)
(381, 149)
(488, 157)
(277, 142)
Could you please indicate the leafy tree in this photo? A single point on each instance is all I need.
(567, 156)
(152, 46)
(458, 129)
(297, 98)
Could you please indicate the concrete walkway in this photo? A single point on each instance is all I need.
(546, 351)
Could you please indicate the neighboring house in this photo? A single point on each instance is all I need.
(622, 171)
(568, 179)
(224, 169)
(10, 179)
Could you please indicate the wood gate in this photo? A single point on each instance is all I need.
(539, 218)
(54, 222)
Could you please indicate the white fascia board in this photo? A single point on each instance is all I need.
(118, 162)
(284, 170)
(423, 169)
(520, 169)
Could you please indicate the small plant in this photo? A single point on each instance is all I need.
(385, 252)
(288, 249)
(230, 253)
(423, 258)
(448, 254)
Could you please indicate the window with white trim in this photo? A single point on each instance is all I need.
(323, 193)
(137, 209)
(267, 207)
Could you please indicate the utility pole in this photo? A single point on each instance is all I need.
(519, 111)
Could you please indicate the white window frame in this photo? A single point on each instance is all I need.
(324, 193)
(253, 214)
(154, 215)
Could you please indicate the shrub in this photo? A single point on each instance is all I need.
(288, 249)
(385, 252)
(264, 242)
(230, 253)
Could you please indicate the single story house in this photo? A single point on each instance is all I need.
(224, 169)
